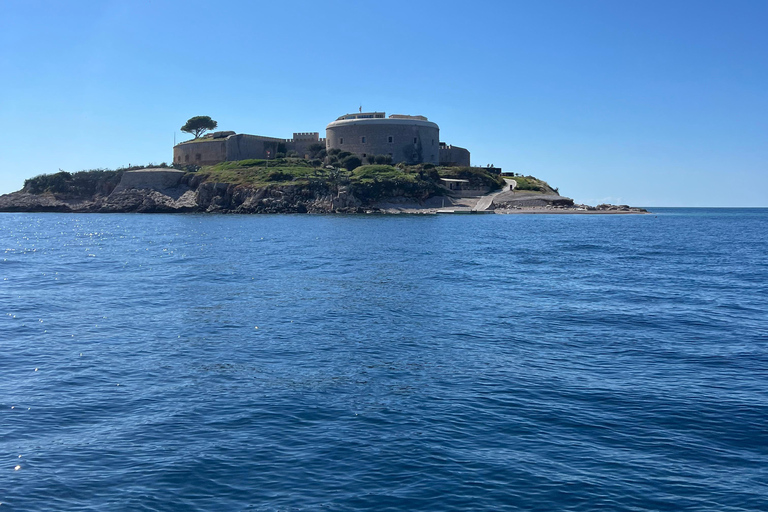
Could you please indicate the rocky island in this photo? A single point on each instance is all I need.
(294, 185)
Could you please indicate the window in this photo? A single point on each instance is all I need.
(341, 140)
(186, 158)
(362, 139)
(198, 156)
(390, 139)
(415, 140)
(433, 142)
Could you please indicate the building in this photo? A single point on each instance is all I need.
(405, 138)
(409, 139)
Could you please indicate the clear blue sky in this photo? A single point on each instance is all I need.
(655, 103)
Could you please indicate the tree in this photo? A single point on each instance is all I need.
(199, 125)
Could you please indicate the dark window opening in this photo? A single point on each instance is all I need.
(341, 140)
(198, 156)
(186, 158)
(362, 139)
(390, 139)
(415, 139)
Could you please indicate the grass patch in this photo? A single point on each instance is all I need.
(532, 184)
(260, 173)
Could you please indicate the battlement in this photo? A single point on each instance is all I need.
(313, 136)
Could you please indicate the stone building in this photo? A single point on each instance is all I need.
(405, 138)
(409, 139)
(453, 155)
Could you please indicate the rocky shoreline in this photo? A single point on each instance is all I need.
(169, 191)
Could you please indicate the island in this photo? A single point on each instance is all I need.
(367, 163)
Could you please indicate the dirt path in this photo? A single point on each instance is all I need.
(485, 202)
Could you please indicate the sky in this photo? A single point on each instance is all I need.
(640, 102)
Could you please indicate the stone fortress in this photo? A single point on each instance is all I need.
(408, 139)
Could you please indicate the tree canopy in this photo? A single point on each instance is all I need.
(199, 125)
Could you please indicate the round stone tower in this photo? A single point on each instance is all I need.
(409, 139)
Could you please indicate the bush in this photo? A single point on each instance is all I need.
(280, 155)
(527, 183)
(279, 176)
(334, 152)
(351, 162)
(383, 159)
(316, 162)
(292, 154)
(370, 159)
(343, 155)
(79, 184)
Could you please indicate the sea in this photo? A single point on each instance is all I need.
(192, 362)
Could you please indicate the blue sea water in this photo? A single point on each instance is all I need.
(285, 363)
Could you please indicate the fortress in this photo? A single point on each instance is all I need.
(408, 139)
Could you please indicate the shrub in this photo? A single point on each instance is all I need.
(315, 149)
(344, 154)
(280, 155)
(351, 162)
(383, 159)
(370, 159)
(79, 184)
(279, 176)
(527, 183)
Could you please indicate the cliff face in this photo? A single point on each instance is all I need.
(167, 191)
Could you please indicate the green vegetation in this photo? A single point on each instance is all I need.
(532, 184)
(74, 185)
(82, 184)
(477, 176)
(367, 182)
(374, 182)
(261, 173)
(198, 125)
(351, 162)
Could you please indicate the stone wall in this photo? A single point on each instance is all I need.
(243, 147)
(301, 141)
(454, 156)
(206, 152)
(154, 179)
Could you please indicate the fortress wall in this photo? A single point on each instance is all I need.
(301, 146)
(243, 147)
(454, 156)
(200, 153)
(155, 179)
(349, 137)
